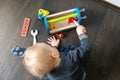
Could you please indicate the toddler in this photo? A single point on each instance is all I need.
(42, 59)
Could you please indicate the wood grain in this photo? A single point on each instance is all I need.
(102, 26)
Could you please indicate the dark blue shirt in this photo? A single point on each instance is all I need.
(71, 66)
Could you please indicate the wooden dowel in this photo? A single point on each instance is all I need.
(60, 13)
(63, 29)
(62, 18)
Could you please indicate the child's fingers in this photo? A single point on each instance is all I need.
(58, 40)
(84, 31)
(53, 37)
(49, 39)
(49, 42)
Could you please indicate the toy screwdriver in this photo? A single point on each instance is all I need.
(76, 23)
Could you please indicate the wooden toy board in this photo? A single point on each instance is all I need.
(61, 21)
(61, 25)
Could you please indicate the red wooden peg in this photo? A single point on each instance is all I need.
(70, 20)
(60, 35)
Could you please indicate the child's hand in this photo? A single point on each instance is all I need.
(80, 29)
(53, 41)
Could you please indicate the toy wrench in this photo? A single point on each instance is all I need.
(34, 34)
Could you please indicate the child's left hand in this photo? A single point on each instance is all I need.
(53, 41)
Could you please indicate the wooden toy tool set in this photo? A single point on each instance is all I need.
(54, 23)
(60, 21)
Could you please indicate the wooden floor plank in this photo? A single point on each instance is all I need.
(102, 25)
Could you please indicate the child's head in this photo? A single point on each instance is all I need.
(41, 58)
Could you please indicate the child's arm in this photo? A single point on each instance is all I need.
(53, 41)
(80, 51)
(84, 47)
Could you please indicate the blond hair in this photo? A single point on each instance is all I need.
(37, 59)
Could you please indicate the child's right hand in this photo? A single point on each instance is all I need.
(80, 29)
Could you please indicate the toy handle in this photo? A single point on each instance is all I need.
(76, 23)
(34, 40)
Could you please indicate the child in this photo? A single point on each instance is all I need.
(41, 59)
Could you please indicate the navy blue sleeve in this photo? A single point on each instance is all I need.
(80, 52)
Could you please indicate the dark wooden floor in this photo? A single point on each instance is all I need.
(103, 26)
